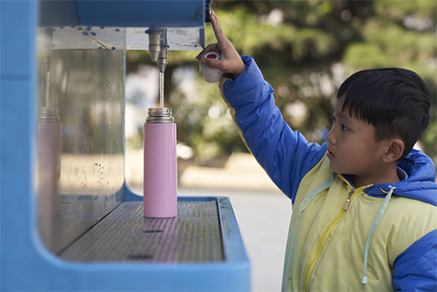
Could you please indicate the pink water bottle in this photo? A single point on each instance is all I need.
(160, 164)
(49, 161)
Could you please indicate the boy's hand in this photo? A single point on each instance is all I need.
(230, 61)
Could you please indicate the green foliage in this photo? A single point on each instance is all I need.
(398, 10)
(204, 122)
(305, 50)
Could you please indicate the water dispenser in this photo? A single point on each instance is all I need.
(68, 220)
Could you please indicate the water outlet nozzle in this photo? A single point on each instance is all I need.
(154, 43)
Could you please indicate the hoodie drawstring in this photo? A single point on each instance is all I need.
(372, 230)
(317, 190)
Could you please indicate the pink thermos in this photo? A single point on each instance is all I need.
(49, 161)
(160, 164)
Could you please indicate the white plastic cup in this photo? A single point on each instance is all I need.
(211, 75)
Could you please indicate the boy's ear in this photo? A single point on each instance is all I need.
(394, 150)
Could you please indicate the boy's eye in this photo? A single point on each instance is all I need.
(344, 128)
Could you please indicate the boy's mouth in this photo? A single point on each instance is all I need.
(330, 154)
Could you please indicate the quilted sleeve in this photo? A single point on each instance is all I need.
(416, 268)
(284, 154)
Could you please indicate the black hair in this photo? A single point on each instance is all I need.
(395, 101)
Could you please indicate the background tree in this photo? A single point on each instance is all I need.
(305, 50)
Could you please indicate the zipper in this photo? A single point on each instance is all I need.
(318, 250)
(321, 243)
(348, 201)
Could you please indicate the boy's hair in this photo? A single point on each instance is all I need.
(395, 101)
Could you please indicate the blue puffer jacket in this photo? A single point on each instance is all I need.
(386, 240)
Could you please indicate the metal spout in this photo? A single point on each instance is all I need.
(154, 43)
(162, 59)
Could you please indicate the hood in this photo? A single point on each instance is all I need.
(420, 183)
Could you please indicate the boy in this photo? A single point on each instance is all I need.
(364, 203)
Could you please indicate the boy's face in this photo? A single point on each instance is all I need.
(352, 148)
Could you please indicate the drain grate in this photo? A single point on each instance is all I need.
(125, 235)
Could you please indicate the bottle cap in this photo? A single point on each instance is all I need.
(49, 115)
(211, 75)
(160, 116)
(212, 55)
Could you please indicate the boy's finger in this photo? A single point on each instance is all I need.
(212, 63)
(220, 36)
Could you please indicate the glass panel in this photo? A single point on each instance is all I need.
(80, 158)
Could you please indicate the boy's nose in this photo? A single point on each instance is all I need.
(330, 137)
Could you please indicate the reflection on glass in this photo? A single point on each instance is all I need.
(79, 174)
(49, 142)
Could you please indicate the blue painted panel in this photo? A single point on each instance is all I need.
(17, 128)
(134, 13)
(58, 13)
(17, 30)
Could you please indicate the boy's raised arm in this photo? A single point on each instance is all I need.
(283, 153)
